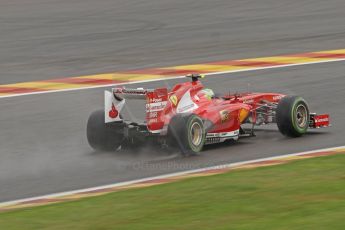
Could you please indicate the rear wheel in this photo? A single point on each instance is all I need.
(103, 136)
(188, 133)
(292, 116)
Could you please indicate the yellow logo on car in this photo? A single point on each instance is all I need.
(173, 99)
(243, 114)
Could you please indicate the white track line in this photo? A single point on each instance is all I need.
(231, 165)
(171, 78)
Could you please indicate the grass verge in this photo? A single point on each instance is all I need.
(305, 194)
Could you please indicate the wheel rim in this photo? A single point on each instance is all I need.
(196, 134)
(301, 116)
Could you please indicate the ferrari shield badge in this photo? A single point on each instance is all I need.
(224, 116)
(173, 99)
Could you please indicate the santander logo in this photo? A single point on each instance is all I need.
(322, 119)
(113, 113)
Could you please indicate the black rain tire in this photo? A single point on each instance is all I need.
(104, 136)
(181, 134)
(292, 116)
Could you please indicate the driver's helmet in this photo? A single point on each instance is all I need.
(207, 93)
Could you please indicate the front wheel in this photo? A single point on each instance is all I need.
(103, 136)
(188, 132)
(292, 116)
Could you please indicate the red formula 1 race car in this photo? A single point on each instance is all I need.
(190, 116)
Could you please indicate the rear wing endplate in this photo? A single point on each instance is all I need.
(156, 101)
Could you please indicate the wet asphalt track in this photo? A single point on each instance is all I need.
(43, 148)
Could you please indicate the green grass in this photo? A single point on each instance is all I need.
(305, 194)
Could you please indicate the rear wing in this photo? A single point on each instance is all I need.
(156, 101)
